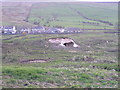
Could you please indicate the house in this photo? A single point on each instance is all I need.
(72, 30)
(24, 30)
(1, 29)
(55, 30)
(9, 30)
(38, 29)
(62, 30)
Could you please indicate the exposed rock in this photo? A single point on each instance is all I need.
(63, 41)
(88, 58)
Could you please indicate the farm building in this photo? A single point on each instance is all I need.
(38, 29)
(24, 30)
(72, 30)
(9, 30)
(55, 30)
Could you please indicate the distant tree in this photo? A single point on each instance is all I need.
(26, 20)
(44, 25)
(47, 22)
(36, 23)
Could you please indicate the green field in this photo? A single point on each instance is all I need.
(62, 14)
(66, 14)
(92, 65)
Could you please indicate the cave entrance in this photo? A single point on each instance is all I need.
(70, 44)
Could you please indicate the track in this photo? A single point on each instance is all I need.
(82, 15)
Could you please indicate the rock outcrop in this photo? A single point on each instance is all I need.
(63, 41)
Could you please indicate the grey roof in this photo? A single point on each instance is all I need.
(53, 30)
(38, 27)
(23, 28)
(8, 27)
(72, 28)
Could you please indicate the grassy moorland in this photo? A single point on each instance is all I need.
(65, 67)
(92, 65)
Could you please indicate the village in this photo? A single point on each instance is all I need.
(11, 30)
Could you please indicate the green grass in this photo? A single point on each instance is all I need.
(67, 67)
(65, 14)
(61, 14)
(68, 77)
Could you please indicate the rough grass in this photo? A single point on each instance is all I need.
(60, 77)
(94, 64)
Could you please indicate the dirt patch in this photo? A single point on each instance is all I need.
(35, 61)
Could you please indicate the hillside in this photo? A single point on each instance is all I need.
(15, 13)
(32, 61)
(82, 15)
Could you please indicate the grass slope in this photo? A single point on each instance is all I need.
(67, 67)
(66, 14)
(61, 14)
(94, 64)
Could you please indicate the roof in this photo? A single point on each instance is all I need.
(24, 28)
(8, 27)
(54, 29)
(38, 27)
(72, 28)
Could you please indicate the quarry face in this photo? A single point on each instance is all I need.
(63, 41)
